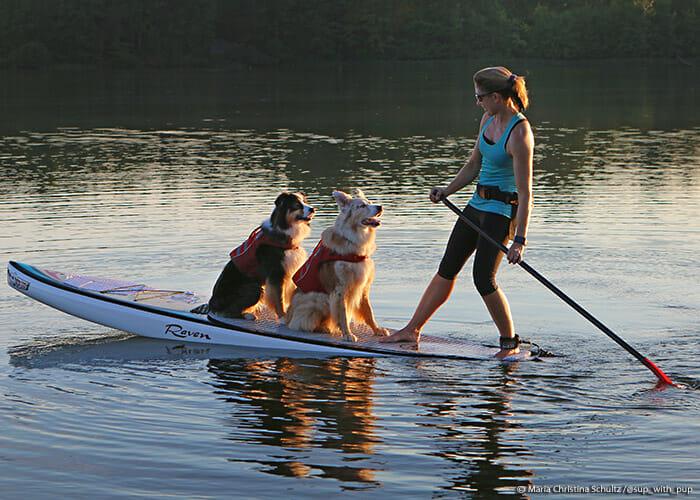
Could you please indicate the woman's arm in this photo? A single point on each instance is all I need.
(521, 146)
(469, 171)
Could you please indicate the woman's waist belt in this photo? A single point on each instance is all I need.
(495, 193)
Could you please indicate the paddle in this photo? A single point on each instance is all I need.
(607, 331)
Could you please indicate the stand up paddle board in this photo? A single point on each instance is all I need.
(167, 314)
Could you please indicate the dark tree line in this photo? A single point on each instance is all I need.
(156, 33)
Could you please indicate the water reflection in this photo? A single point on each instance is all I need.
(474, 429)
(295, 405)
(167, 161)
(387, 99)
(71, 347)
(307, 417)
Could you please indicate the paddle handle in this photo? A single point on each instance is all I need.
(583, 312)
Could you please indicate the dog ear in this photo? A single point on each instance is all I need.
(278, 219)
(280, 198)
(357, 193)
(341, 198)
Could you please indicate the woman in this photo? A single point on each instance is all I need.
(502, 199)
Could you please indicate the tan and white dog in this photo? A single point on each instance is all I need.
(333, 285)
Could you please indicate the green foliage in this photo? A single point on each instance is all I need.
(34, 33)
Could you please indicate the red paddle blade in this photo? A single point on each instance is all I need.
(657, 371)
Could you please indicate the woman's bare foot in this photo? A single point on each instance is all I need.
(406, 334)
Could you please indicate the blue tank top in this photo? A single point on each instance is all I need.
(496, 169)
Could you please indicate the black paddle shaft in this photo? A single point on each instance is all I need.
(551, 286)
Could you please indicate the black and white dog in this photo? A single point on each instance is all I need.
(260, 268)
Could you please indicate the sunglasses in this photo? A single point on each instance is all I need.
(480, 97)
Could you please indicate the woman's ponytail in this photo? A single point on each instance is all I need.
(519, 91)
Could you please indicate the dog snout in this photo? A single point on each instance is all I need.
(379, 209)
(309, 212)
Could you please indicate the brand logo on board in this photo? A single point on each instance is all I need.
(179, 332)
(16, 283)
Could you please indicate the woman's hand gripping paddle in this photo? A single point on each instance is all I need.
(663, 378)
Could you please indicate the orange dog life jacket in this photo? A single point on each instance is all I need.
(244, 255)
(308, 278)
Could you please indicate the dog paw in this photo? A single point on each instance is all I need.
(249, 316)
(384, 332)
(350, 337)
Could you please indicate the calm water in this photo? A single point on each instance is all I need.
(156, 176)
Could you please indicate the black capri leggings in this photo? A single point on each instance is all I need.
(464, 240)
